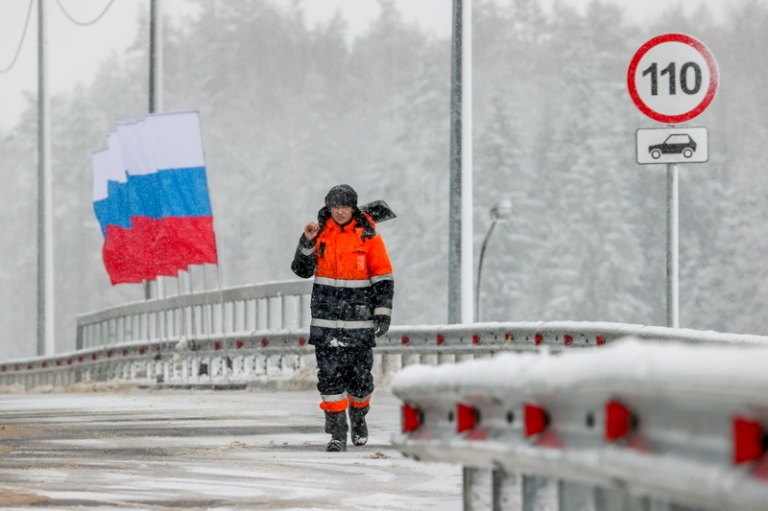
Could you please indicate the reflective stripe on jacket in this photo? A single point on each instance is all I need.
(353, 282)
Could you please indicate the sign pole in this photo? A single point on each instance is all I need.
(673, 292)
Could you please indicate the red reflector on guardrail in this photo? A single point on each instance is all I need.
(749, 440)
(404, 340)
(567, 340)
(411, 418)
(619, 421)
(475, 339)
(539, 339)
(536, 419)
(440, 340)
(600, 340)
(466, 418)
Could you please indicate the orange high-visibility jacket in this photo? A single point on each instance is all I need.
(353, 282)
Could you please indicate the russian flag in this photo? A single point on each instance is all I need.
(150, 195)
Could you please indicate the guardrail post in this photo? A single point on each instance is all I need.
(446, 358)
(477, 489)
(608, 499)
(507, 491)
(429, 359)
(273, 365)
(391, 363)
(540, 494)
(289, 363)
(378, 369)
(580, 497)
(410, 359)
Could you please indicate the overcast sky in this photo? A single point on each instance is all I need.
(75, 52)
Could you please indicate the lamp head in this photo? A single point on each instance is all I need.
(501, 211)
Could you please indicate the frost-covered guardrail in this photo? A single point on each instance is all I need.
(243, 356)
(634, 425)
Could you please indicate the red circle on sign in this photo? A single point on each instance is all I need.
(703, 104)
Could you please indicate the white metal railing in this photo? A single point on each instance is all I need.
(239, 355)
(634, 425)
(230, 311)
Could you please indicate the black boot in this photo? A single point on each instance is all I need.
(336, 425)
(359, 427)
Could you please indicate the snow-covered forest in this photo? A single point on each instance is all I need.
(288, 111)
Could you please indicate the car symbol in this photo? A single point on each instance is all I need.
(674, 144)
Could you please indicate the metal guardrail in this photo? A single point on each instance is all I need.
(635, 425)
(239, 355)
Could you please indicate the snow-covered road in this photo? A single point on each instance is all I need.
(139, 449)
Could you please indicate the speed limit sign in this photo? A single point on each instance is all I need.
(672, 78)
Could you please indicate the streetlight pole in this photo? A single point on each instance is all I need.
(45, 312)
(460, 237)
(501, 212)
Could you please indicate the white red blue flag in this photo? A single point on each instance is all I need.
(150, 195)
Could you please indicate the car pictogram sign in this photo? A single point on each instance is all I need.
(672, 145)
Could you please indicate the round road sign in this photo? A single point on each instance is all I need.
(672, 78)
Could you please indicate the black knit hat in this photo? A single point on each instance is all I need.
(341, 195)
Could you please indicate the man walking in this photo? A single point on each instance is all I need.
(351, 305)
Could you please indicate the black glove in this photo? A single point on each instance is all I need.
(381, 324)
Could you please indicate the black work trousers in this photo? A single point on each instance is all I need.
(344, 369)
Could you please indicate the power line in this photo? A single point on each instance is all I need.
(21, 41)
(84, 24)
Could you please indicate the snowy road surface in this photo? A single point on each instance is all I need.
(181, 449)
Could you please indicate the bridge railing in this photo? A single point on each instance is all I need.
(231, 311)
(635, 425)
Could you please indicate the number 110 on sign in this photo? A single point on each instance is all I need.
(672, 78)
(653, 73)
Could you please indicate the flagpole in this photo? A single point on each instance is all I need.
(155, 92)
